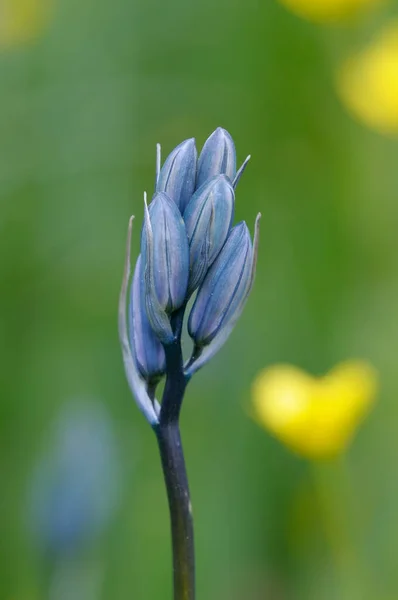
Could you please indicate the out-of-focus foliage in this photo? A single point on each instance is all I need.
(22, 20)
(72, 497)
(329, 10)
(75, 485)
(316, 417)
(368, 82)
(81, 110)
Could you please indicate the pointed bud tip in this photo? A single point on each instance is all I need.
(222, 177)
(220, 181)
(178, 174)
(222, 131)
(242, 225)
(189, 143)
(218, 156)
(160, 196)
(161, 199)
(220, 134)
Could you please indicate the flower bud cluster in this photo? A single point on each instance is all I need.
(188, 245)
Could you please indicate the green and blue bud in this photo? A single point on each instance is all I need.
(187, 244)
(146, 348)
(208, 219)
(218, 157)
(229, 282)
(177, 177)
(223, 288)
(139, 387)
(165, 263)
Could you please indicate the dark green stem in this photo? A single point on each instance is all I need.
(173, 463)
(175, 476)
(176, 382)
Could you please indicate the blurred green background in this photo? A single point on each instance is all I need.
(81, 109)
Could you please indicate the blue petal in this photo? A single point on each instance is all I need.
(170, 253)
(146, 348)
(202, 355)
(217, 157)
(223, 288)
(178, 175)
(208, 219)
(136, 383)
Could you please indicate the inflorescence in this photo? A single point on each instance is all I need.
(188, 246)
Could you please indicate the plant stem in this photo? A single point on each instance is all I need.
(175, 476)
(338, 519)
(176, 383)
(173, 463)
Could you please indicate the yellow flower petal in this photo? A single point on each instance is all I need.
(328, 10)
(316, 417)
(368, 82)
(22, 20)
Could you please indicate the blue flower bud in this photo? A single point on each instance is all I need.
(223, 288)
(218, 157)
(178, 174)
(165, 263)
(146, 349)
(202, 354)
(148, 406)
(208, 219)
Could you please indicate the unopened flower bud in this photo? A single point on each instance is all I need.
(218, 157)
(202, 354)
(149, 406)
(146, 348)
(208, 218)
(165, 263)
(224, 287)
(178, 174)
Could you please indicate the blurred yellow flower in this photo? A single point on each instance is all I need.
(328, 10)
(314, 416)
(22, 20)
(368, 82)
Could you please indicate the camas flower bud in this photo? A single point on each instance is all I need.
(218, 157)
(146, 348)
(165, 263)
(208, 218)
(202, 354)
(178, 174)
(149, 406)
(224, 288)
